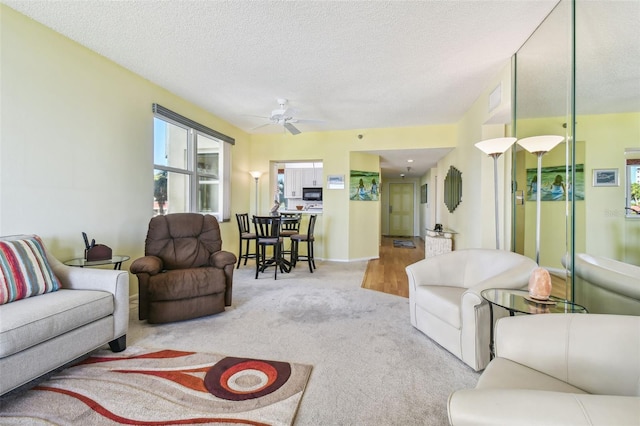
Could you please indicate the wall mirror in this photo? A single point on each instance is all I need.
(452, 189)
(598, 112)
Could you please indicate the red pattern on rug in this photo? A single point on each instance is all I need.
(166, 387)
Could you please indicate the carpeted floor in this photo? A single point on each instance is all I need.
(370, 366)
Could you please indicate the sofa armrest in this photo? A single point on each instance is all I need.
(534, 407)
(112, 281)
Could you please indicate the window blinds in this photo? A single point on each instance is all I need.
(167, 113)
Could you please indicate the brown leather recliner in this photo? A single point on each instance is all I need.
(185, 273)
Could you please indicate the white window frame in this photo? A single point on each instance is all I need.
(192, 173)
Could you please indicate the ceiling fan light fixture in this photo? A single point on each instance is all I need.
(285, 116)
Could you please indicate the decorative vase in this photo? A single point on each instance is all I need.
(540, 284)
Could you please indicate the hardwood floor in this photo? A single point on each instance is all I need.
(387, 274)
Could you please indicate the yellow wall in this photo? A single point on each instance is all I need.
(364, 216)
(76, 144)
(476, 208)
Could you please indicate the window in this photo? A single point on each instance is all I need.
(191, 166)
(633, 182)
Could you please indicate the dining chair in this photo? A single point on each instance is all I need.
(247, 236)
(289, 225)
(268, 235)
(309, 239)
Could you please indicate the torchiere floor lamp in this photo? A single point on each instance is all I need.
(539, 145)
(256, 175)
(495, 148)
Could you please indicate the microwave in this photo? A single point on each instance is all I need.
(312, 194)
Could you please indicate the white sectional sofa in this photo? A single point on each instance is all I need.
(557, 369)
(43, 332)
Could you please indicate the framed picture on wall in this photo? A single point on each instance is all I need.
(335, 182)
(364, 186)
(605, 177)
(424, 195)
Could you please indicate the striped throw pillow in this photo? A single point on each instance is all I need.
(24, 269)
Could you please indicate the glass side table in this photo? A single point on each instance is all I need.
(81, 262)
(518, 301)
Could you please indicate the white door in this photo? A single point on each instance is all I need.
(401, 209)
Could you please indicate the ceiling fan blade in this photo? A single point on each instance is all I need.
(291, 128)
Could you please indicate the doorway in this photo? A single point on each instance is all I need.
(401, 209)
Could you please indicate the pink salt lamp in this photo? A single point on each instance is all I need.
(540, 284)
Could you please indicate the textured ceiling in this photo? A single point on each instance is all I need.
(352, 64)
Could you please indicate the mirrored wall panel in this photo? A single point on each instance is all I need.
(590, 95)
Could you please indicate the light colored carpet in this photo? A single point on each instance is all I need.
(370, 366)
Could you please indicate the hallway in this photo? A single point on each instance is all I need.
(387, 274)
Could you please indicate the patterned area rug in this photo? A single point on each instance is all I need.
(163, 387)
(404, 243)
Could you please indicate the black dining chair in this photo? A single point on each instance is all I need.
(268, 235)
(289, 225)
(309, 238)
(247, 236)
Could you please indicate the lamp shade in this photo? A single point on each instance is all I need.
(495, 146)
(540, 143)
(255, 174)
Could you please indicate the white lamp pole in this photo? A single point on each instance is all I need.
(495, 148)
(539, 145)
(256, 175)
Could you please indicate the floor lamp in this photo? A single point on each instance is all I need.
(256, 175)
(539, 145)
(494, 148)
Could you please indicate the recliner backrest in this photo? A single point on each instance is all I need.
(183, 240)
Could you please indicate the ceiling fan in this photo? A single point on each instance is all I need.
(285, 116)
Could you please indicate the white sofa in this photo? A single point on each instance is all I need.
(557, 369)
(445, 301)
(41, 333)
(606, 286)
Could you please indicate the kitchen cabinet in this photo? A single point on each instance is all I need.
(312, 177)
(297, 178)
(293, 183)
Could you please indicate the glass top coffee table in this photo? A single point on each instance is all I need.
(116, 261)
(519, 301)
